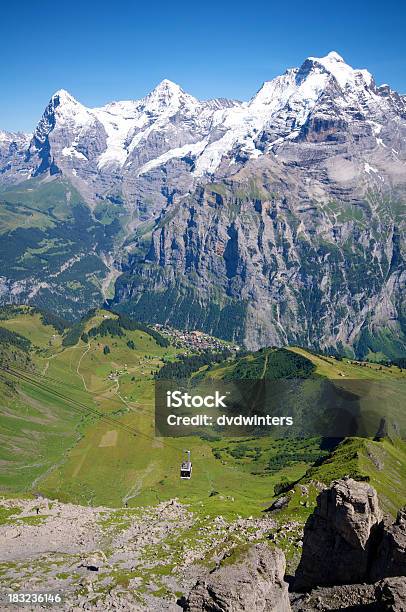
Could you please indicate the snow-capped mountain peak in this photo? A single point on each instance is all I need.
(304, 85)
(61, 96)
(64, 108)
(170, 127)
(167, 88)
(333, 56)
(167, 96)
(344, 74)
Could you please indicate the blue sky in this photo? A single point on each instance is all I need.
(101, 51)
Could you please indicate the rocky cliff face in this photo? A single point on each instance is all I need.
(300, 238)
(391, 554)
(259, 260)
(13, 147)
(270, 221)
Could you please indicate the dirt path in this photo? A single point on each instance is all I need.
(117, 392)
(46, 366)
(78, 366)
(45, 369)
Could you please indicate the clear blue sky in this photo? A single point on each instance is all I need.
(101, 51)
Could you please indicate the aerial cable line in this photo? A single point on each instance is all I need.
(82, 407)
(76, 405)
(79, 407)
(63, 382)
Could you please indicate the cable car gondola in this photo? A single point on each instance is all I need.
(186, 467)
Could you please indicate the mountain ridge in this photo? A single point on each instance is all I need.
(279, 220)
(302, 85)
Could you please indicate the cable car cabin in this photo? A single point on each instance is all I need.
(186, 467)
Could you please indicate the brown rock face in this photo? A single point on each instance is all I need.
(340, 536)
(253, 583)
(391, 552)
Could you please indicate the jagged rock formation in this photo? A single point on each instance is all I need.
(273, 221)
(12, 152)
(348, 541)
(340, 536)
(254, 582)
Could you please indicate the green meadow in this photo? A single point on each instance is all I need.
(77, 424)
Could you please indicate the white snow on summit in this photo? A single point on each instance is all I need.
(19, 137)
(345, 75)
(294, 93)
(68, 110)
(169, 123)
(128, 123)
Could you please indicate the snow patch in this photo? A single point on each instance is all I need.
(368, 168)
(72, 152)
(192, 150)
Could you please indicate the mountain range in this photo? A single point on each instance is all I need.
(274, 221)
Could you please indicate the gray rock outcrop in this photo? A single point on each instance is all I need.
(347, 541)
(391, 594)
(340, 536)
(391, 552)
(254, 583)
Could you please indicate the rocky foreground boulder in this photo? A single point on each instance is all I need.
(340, 536)
(391, 594)
(251, 580)
(353, 558)
(347, 540)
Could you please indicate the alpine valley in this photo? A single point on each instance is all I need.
(276, 221)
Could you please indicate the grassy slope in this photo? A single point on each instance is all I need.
(36, 427)
(49, 235)
(383, 463)
(104, 464)
(328, 367)
(95, 461)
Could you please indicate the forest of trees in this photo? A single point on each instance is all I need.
(110, 327)
(48, 318)
(186, 365)
(13, 338)
(73, 335)
(127, 323)
(271, 364)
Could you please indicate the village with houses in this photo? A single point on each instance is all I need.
(195, 341)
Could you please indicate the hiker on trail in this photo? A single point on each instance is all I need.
(37, 510)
